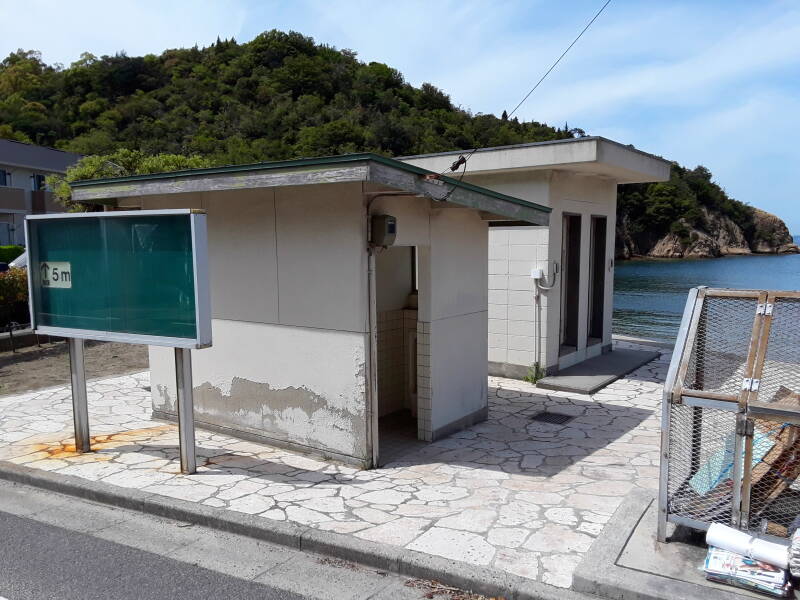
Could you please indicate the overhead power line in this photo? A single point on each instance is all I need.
(462, 160)
(563, 54)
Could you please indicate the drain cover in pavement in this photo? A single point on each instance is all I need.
(552, 418)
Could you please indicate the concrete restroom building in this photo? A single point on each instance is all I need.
(349, 295)
(565, 317)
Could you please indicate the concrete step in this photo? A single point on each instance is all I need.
(596, 373)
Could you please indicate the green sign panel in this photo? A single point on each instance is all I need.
(133, 276)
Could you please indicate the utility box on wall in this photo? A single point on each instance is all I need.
(384, 230)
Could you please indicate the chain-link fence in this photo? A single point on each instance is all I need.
(702, 445)
(731, 416)
(719, 348)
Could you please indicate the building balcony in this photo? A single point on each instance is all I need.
(12, 199)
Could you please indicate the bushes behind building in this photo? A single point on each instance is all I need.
(14, 296)
(9, 253)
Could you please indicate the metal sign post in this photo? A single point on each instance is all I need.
(183, 377)
(80, 408)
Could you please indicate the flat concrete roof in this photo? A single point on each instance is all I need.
(591, 155)
(368, 167)
(36, 158)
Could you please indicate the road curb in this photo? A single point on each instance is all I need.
(385, 557)
(600, 572)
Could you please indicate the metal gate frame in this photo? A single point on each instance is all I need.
(745, 404)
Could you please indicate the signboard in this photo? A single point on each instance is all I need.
(128, 276)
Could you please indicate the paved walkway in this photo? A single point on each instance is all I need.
(511, 493)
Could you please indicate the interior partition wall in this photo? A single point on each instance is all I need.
(597, 278)
(570, 288)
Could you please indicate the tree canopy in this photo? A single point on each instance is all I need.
(120, 163)
(651, 210)
(278, 96)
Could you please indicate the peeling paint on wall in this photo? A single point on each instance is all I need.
(294, 414)
(165, 401)
(294, 385)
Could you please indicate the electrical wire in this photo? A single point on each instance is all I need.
(462, 159)
(563, 54)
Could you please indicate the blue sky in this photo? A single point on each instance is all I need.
(713, 82)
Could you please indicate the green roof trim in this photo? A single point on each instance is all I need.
(310, 162)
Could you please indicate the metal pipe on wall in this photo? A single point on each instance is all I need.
(373, 357)
(372, 333)
(537, 334)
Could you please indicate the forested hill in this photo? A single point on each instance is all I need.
(691, 216)
(278, 96)
(283, 96)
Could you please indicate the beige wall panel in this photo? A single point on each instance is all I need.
(193, 200)
(322, 258)
(413, 218)
(393, 278)
(296, 386)
(459, 262)
(242, 255)
(458, 369)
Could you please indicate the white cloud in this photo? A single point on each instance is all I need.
(750, 145)
(744, 55)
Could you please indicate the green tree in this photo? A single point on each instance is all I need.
(278, 96)
(121, 163)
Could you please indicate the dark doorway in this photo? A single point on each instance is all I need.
(570, 289)
(597, 281)
(396, 307)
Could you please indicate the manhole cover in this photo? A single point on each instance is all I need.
(552, 418)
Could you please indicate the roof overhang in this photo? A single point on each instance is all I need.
(588, 155)
(371, 168)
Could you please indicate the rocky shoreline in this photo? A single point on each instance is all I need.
(719, 236)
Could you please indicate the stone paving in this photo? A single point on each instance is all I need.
(520, 495)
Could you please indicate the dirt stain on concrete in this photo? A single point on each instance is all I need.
(97, 443)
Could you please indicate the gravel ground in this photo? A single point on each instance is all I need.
(35, 367)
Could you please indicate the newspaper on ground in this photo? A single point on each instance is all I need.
(734, 569)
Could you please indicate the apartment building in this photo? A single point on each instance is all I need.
(23, 168)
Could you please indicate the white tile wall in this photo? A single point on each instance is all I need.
(498, 326)
(424, 428)
(393, 381)
(498, 282)
(498, 297)
(513, 252)
(499, 355)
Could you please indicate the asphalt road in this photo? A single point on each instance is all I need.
(43, 561)
(56, 547)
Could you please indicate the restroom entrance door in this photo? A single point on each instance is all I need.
(570, 288)
(597, 279)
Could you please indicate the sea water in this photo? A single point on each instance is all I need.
(649, 295)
